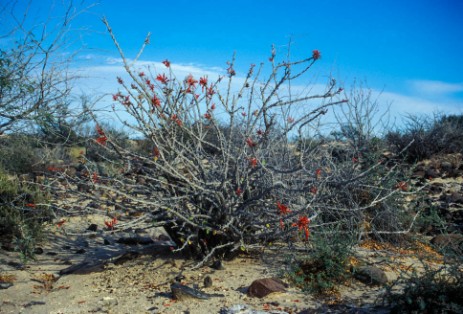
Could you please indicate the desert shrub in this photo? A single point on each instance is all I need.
(22, 214)
(428, 136)
(219, 168)
(434, 291)
(326, 265)
(19, 153)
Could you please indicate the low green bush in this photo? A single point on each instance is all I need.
(22, 216)
(325, 265)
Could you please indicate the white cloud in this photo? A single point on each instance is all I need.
(436, 88)
(102, 79)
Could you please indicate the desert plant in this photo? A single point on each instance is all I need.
(222, 172)
(23, 212)
(433, 291)
(431, 135)
(326, 265)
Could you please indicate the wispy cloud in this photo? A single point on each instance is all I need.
(421, 99)
(437, 88)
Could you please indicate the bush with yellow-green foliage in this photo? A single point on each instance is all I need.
(23, 212)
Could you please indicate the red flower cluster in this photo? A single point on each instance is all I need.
(94, 177)
(208, 116)
(156, 152)
(303, 224)
(101, 139)
(316, 54)
(318, 173)
(176, 119)
(110, 224)
(402, 185)
(155, 101)
(166, 63)
(203, 83)
(250, 142)
(253, 162)
(162, 78)
(238, 192)
(284, 210)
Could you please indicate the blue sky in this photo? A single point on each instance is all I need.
(408, 50)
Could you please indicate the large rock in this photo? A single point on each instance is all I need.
(370, 275)
(262, 287)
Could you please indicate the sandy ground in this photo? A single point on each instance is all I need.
(142, 284)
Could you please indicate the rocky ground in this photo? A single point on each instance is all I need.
(135, 277)
(88, 269)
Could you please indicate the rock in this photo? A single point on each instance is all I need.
(246, 309)
(108, 301)
(5, 285)
(207, 281)
(38, 250)
(181, 292)
(93, 227)
(262, 287)
(370, 275)
(217, 265)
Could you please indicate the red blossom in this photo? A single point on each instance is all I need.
(155, 101)
(32, 205)
(94, 177)
(244, 114)
(260, 132)
(110, 224)
(156, 152)
(303, 224)
(213, 107)
(119, 80)
(59, 224)
(316, 54)
(284, 210)
(253, 162)
(176, 119)
(101, 139)
(313, 190)
(162, 78)
(210, 91)
(203, 83)
(282, 224)
(402, 185)
(190, 80)
(166, 63)
(318, 173)
(238, 192)
(250, 142)
(141, 74)
(207, 115)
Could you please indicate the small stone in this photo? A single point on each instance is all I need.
(5, 285)
(217, 265)
(93, 227)
(207, 281)
(38, 250)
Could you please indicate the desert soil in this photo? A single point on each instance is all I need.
(142, 284)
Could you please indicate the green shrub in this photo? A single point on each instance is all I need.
(18, 154)
(21, 216)
(428, 136)
(435, 291)
(326, 264)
